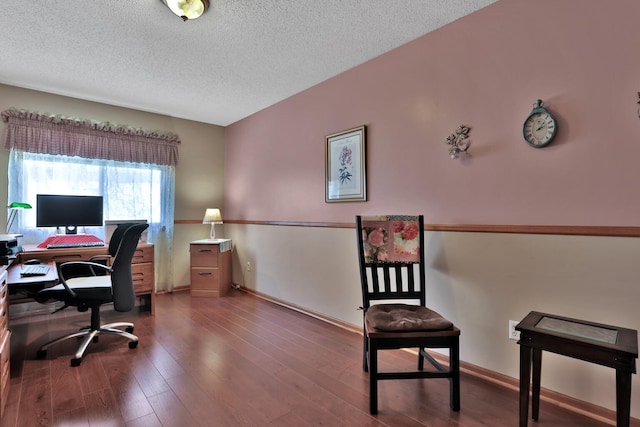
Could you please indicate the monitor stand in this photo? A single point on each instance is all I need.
(63, 230)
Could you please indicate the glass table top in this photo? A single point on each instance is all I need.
(580, 330)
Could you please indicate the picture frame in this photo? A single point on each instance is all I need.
(345, 166)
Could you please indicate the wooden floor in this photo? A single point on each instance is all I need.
(233, 361)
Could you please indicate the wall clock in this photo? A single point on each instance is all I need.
(539, 127)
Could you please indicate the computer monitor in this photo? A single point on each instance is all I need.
(71, 212)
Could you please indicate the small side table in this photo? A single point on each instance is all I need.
(605, 345)
(210, 267)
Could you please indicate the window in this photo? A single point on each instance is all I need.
(133, 170)
(130, 191)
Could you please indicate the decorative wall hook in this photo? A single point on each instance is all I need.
(458, 142)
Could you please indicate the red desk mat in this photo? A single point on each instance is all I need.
(69, 239)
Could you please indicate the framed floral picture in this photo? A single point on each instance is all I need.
(345, 169)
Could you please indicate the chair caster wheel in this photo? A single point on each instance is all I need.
(133, 344)
(41, 354)
(129, 329)
(75, 362)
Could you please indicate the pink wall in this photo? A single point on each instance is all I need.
(581, 57)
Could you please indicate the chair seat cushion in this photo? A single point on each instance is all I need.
(405, 317)
(94, 288)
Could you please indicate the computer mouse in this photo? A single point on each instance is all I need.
(31, 262)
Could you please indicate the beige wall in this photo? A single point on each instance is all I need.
(199, 174)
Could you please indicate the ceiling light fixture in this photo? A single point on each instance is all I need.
(187, 9)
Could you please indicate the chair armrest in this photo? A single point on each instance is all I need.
(89, 264)
(100, 257)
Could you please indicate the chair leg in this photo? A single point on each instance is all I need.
(127, 325)
(365, 353)
(42, 352)
(91, 334)
(373, 377)
(133, 341)
(83, 347)
(454, 381)
(107, 330)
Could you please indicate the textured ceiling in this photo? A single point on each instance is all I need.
(238, 58)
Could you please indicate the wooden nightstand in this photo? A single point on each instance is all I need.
(210, 267)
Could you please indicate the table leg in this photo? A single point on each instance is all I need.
(623, 398)
(525, 381)
(535, 392)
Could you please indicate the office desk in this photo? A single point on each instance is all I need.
(142, 265)
(26, 286)
(605, 345)
(12, 282)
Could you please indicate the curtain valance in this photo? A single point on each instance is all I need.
(54, 134)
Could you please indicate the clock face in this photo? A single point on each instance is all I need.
(539, 129)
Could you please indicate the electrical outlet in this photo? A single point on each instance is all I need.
(513, 334)
(248, 265)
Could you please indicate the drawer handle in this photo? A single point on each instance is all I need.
(204, 250)
(204, 273)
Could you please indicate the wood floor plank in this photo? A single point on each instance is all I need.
(335, 404)
(150, 420)
(75, 418)
(126, 390)
(66, 390)
(36, 390)
(148, 377)
(243, 382)
(170, 411)
(198, 402)
(234, 361)
(103, 409)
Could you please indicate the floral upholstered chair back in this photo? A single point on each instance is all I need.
(391, 238)
(391, 256)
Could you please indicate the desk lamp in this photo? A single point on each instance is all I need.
(213, 217)
(14, 207)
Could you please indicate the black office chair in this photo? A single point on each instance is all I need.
(90, 292)
(114, 244)
(392, 269)
(87, 269)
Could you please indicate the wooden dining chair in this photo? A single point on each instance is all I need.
(392, 272)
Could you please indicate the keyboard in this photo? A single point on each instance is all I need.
(34, 270)
(74, 245)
